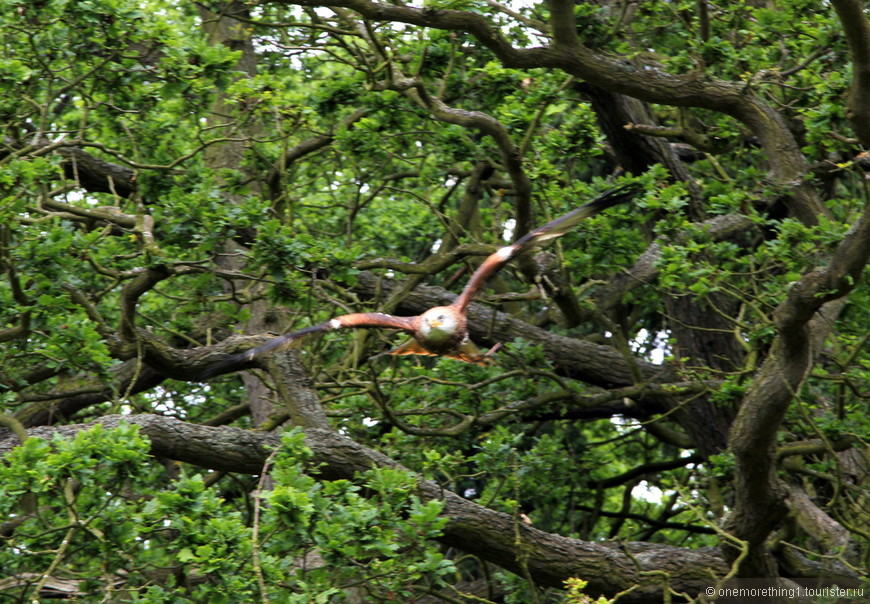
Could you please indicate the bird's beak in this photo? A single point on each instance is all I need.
(435, 323)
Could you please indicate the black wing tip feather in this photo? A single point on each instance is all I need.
(559, 226)
(233, 360)
(614, 196)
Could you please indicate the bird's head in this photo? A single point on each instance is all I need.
(439, 322)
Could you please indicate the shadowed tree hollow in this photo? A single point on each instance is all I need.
(679, 389)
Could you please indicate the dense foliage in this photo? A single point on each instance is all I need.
(681, 394)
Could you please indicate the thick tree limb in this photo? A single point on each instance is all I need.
(563, 23)
(759, 494)
(550, 559)
(857, 29)
(634, 151)
(97, 175)
(129, 376)
(130, 294)
(90, 172)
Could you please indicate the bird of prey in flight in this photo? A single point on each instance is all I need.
(442, 330)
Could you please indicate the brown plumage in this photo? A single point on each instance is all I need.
(443, 330)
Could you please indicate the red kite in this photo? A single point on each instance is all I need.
(443, 330)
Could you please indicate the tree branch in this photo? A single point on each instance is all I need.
(57, 406)
(306, 147)
(472, 528)
(857, 29)
(563, 23)
(130, 294)
(645, 269)
(620, 74)
(655, 467)
(800, 318)
(88, 171)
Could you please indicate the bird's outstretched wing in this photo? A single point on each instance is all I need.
(551, 230)
(353, 320)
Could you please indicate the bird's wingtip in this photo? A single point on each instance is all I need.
(615, 196)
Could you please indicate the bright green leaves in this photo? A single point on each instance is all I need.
(100, 491)
(697, 264)
(20, 174)
(517, 467)
(383, 536)
(313, 163)
(734, 41)
(13, 71)
(593, 27)
(77, 345)
(45, 250)
(208, 535)
(295, 491)
(67, 500)
(575, 594)
(199, 220)
(287, 255)
(364, 137)
(96, 459)
(83, 62)
(276, 100)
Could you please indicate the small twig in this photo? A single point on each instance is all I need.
(255, 533)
